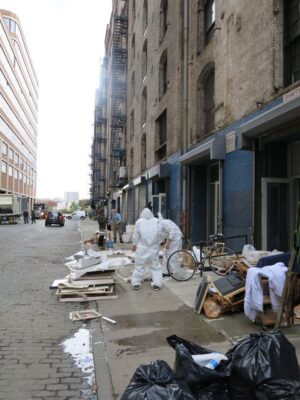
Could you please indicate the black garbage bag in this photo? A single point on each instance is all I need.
(257, 358)
(215, 391)
(156, 381)
(278, 389)
(196, 377)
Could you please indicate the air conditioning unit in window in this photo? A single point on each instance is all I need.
(122, 172)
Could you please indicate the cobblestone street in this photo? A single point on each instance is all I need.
(33, 324)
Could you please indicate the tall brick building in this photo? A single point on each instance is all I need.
(213, 126)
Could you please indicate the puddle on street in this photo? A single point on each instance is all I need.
(163, 324)
(79, 348)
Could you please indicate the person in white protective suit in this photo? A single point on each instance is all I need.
(173, 236)
(146, 243)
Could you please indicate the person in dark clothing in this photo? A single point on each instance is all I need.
(102, 220)
(26, 217)
(33, 219)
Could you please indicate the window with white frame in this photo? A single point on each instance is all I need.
(4, 149)
(4, 167)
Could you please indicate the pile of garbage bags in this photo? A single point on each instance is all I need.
(262, 366)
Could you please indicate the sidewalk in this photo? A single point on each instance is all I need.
(145, 318)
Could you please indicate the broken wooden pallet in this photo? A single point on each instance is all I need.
(92, 293)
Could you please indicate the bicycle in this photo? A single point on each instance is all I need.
(183, 264)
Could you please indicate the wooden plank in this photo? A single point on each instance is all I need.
(201, 295)
(84, 315)
(93, 282)
(87, 298)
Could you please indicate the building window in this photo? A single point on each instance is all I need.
(143, 152)
(161, 137)
(144, 107)
(131, 164)
(292, 42)
(163, 74)
(144, 60)
(145, 14)
(10, 154)
(131, 125)
(11, 25)
(16, 174)
(4, 149)
(209, 19)
(3, 167)
(16, 158)
(163, 18)
(133, 10)
(132, 84)
(133, 48)
(10, 170)
(205, 101)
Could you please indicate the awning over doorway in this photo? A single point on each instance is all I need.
(213, 149)
(264, 124)
(161, 171)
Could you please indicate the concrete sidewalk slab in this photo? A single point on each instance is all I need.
(145, 318)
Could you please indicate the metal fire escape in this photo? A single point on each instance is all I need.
(99, 145)
(118, 101)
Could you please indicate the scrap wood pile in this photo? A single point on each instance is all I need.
(90, 276)
(223, 295)
(262, 366)
(245, 287)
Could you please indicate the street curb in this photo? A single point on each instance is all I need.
(102, 371)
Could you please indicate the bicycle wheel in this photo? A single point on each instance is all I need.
(181, 265)
(221, 260)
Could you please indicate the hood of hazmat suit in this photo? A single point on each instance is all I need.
(147, 230)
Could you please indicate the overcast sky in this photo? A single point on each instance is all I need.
(66, 43)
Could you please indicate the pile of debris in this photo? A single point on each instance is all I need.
(90, 276)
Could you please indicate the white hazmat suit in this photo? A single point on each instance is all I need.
(146, 239)
(173, 235)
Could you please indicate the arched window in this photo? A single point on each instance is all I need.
(143, 152)
(133, 11)
(206, 101)
(130, 164)
(163, 18)
(131, 127)
(144, 60)
(145, 14)
(144, 107)
(132, 85)
(163, 74)
(133, 48)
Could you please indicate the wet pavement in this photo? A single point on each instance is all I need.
(45, 355)
(145, 318)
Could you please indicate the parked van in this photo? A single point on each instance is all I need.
(78, 215)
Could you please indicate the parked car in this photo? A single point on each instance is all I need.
(77, 215)
(55, 218)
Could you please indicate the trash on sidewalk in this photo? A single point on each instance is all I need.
(84, 315)
(194, 375)
(258, 358)
(112, 321)
(156, 381)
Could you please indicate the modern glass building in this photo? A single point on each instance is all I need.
(18, 111)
